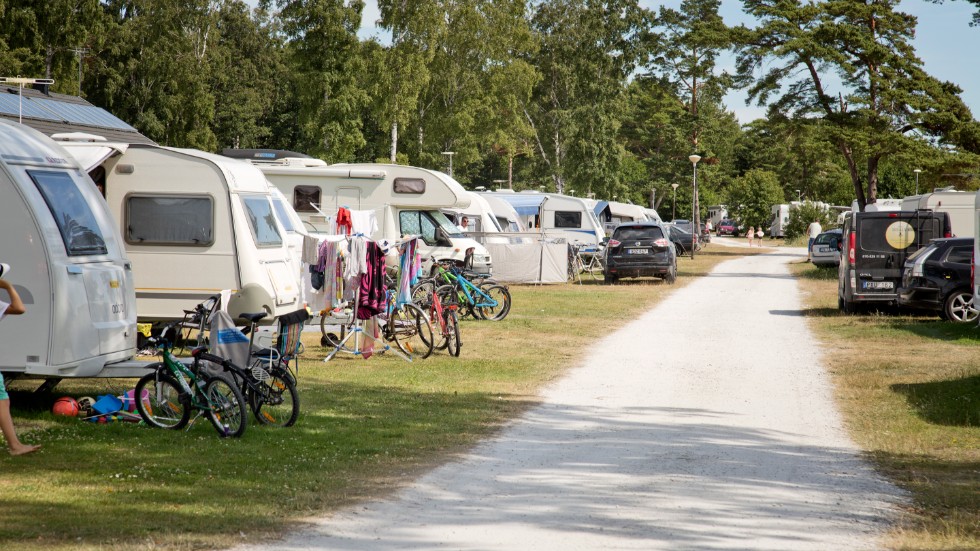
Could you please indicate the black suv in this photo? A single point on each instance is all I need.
(639, 249)
(937, 278)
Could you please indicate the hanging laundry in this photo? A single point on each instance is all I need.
(344, 224)
(371, 299)
(364, 222)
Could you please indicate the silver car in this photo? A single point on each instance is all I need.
(827, 248)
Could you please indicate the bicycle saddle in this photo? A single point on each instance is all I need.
(254, 316)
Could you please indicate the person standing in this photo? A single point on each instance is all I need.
(750, 234)
(812, 231)
(15, 307)
(758, 235)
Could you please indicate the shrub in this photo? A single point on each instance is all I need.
(800, 217)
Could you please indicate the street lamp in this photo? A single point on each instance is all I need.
(696, 225)
(673, 203)
(799, 196)
(917, 171)
(450, 153)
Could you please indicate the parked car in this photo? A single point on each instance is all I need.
(937, 279)
(727, 227)
(827, 248)
(876, 245)
(639, 249)
(683, 239)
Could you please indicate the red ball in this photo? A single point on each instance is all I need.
(66, 406)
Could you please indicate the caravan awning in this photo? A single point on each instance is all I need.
(602, 211)
(525, 204)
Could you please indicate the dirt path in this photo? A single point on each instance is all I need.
(707, 423)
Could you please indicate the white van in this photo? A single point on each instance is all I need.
(67, 264)
(556, 215)
(958, 204)
(193, 224)
(404, 200)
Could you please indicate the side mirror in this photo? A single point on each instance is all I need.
(605, 240)
(442, 238)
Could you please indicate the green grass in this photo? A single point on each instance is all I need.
(909, 387)
(366, 428)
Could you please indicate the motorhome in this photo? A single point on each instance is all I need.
(557, 216)
(392, 200)
(780, 219)
(481, 224)
(67, 263)
(507, 217)
(958, 204)
(717, 213)
(193, 224)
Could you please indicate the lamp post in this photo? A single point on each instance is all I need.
(450, 153)
(696, 219)
(799, 196)
(917, 171)
(673, 203)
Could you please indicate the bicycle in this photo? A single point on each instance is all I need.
(490, 301)
(174, 389)
(585, 259)
(409, 327)
(441, 308)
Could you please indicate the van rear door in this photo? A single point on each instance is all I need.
(884, 241)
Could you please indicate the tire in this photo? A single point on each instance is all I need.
(610, 279)
(845, 306)
(329, 338)
(958, 307)
(228, 415)
(166, 407)
(453, 343)
(501, 295)
(671, 276)
(412, 331)
(279, 406)
(422, 293)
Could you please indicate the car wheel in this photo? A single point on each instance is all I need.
(959, 307)
(844, 306)
(609, 279)
(671, 276)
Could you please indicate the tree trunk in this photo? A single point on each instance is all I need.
(394, 142)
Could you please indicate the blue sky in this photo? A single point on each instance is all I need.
(943, 41)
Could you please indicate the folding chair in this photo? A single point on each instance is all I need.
(288, 345)
(197, 320)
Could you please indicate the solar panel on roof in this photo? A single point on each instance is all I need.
(11, 104)
(83, 114)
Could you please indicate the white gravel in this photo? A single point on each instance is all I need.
(707, 423)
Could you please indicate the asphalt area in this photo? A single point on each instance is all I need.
(707, 423)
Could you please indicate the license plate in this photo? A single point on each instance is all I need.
(823, 249)
(878, 284)
(637, 251)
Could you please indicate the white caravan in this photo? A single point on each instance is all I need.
(404, 200)
(958, 204)
(67, 264)
(194, 224)
(507, 217)
(556, 215)
(622, 213)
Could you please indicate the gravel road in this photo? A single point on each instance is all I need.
(707, 423)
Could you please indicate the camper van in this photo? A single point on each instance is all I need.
(557, 216)
(958, 204)
(392, 200)
(780, 219)
(193, 224)
(481, 224)
(67, 264)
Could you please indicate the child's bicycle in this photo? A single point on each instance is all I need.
(174, 389)
(489, 300)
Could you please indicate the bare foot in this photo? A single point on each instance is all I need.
(24, 449)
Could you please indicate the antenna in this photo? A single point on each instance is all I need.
(20, 94)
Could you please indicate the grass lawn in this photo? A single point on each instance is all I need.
(366, 427)
(909, 387)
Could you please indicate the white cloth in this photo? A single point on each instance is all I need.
(364, 222)
(3, 308)
(311, 249)
(813, 230)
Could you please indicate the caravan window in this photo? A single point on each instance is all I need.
(306, 198)
(568, 219)
(424, 223)
(283, 215)
(262, 220)
(170, 220)
(409, 185)
(79, 229)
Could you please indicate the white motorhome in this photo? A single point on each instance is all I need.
(67, 264)
(479, 218)
(556, 215)
(403, 200)
(780, 219)
(194, 224)
(958, 204)
(507, 217)
(717, 213)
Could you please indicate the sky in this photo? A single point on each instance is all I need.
(943, 41)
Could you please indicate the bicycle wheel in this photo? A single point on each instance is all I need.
(450, 302)
(501, 296)
(412, 331)
(227, 407)
(422, 292)
(277, 402)
(453, 342)
(164, 406)
(329, 337)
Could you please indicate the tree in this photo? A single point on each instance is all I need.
(885, 102)
(751, 197)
